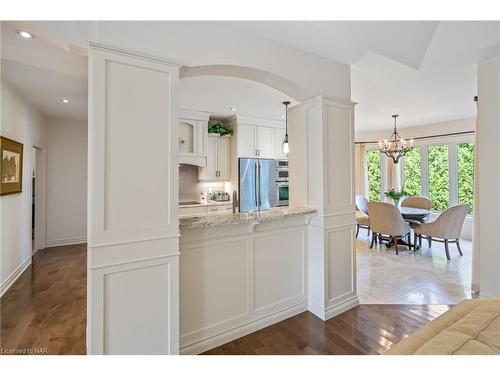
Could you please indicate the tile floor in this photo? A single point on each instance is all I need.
(424, 277)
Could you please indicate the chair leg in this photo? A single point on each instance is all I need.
(373, 241)
(415, 242)
(408, 240)
(368, 231)
(357, 230)
(395, 240)
(458, 247)
(446, 249)
(429, 240)
(420, 240)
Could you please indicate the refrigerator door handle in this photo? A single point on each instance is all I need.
(259, 169)
(256, 185)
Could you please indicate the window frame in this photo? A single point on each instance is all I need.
(452, 143)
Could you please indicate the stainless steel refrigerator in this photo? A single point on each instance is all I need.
(257, 185)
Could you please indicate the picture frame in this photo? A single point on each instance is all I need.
(11, 166)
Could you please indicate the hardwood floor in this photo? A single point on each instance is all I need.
(366, 329)
(44, 312)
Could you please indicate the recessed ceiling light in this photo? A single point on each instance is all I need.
(233, 108)
(24, 34)
(65, 101)
(282, 116)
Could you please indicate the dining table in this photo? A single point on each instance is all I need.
(413, 216)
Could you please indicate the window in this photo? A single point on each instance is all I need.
(374, 175)
(465, 174)
(412, 174)
(442, 171)
(439, 177)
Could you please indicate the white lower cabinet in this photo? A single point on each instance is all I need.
(236, 279)
(218, 160)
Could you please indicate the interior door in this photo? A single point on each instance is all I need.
(247, 141)
(224, 158)
(265, 142)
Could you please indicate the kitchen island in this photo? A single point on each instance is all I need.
(240, 273)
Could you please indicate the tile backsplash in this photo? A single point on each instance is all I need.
(189, 186)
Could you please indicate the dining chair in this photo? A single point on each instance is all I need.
(386, 222)
(417, 202)
(445, 229)
(362, 219)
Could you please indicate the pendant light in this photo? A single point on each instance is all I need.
(396, 146)
(286, 149)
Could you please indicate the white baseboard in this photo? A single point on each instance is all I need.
(66, 241)
(14, 275)
(245, 329)
(341, 307)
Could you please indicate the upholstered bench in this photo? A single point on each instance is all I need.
(471, 327)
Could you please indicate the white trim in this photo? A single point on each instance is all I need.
(66, 241)
(247, 120)
(243, 330)
(15, 275)
(341, 307)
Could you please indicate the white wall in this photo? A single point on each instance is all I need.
(23, 123)
(66, 182)
(487, 139)
(424, 130)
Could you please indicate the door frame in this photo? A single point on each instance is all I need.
(40, 151)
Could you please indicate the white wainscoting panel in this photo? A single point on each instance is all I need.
(235, 280)
(133, 246)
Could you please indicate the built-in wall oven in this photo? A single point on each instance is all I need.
(281, 182)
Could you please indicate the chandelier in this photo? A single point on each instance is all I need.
(395, 147)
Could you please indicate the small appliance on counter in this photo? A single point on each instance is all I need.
(219, 196)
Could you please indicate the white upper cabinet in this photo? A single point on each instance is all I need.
(218, 167)
(247, 141)
(265, 142)
(279, 136)
(193, 127)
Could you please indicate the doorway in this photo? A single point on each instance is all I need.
(38, 205)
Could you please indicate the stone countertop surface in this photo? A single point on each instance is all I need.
(208, 203)
(275, 213)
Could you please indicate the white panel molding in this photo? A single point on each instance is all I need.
(15, 275)
(280, 300)
(133, 233)
(66, 241)
(342, 306)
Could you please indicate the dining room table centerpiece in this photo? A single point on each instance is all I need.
(395, 195)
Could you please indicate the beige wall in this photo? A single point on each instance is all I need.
(66, 181)
(21, 122)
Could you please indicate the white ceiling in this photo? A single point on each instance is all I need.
(218, 94)
(423, 70)
(45, 74)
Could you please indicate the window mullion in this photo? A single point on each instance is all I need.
(452, 160)
(424, 170)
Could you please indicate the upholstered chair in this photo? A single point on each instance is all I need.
(362, 219)
(386, 222)
(446, 228)
(417, 202)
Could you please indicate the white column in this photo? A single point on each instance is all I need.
(133, 198)
(488, 154)
(321, 134)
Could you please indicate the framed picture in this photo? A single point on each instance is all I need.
(11, 168)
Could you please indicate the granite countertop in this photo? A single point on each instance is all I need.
(275, 213)
(208, 203)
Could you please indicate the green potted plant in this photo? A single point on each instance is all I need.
(395, 195)
(218, 127)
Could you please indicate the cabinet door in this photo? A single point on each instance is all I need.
(209, 172)
(224, 158)
(279, 136)
(187, 135)
(265, 142)
(247, 141)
